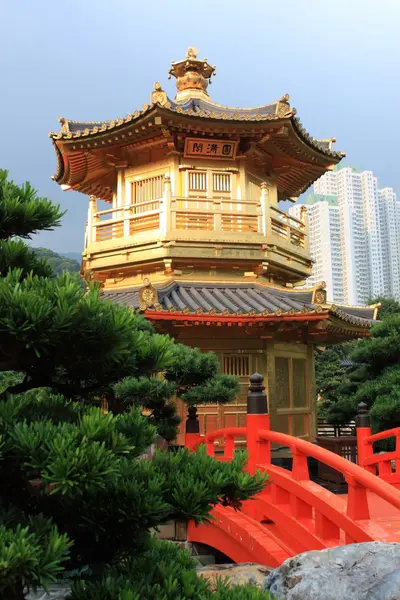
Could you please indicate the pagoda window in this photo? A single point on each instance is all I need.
(147, 193)
(237, 364)
(197, 181)
(221, 182)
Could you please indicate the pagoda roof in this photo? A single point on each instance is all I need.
(248, 301)
(203, 109)
(89, 151)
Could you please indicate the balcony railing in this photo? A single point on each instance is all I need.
(204, 218)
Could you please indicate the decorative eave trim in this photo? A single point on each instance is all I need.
(233, 318)
(283, 112)
(303, 133)
(60, 163)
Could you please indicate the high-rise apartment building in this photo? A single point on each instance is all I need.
(355, 225)
(390, 225)
(325, 245)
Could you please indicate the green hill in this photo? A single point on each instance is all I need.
(59, 263)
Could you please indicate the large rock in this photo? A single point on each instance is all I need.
(56, 592)
(369, 571)
(240, 574)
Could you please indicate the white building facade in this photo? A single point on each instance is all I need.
(356, 226)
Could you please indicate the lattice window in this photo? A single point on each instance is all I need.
(145, 191)
(221, 182)
(299, 383)
(197, 181)
(282, 382)
(291, 382)
(237, 364)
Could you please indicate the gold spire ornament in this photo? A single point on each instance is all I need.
(192, 76)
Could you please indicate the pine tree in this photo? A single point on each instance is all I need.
(373, 375)
(73, 491)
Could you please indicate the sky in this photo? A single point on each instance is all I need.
(98, 60)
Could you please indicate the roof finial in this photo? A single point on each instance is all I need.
(192, 76)
(192, 52)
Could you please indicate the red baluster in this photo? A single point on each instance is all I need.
(229, 447)
(397, 459)
(210, 448)
(364, 448)
(357, 499)
(300, 466)
(325, 528)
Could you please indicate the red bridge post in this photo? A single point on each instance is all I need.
(257, 418)
(192, 429)
(363, 428)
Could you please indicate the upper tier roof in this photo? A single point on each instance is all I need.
(197, 107)
(88, 152)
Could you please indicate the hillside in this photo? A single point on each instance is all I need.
(59, 262)
(74, 255)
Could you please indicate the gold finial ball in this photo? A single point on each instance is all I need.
(191, 52)
(157, 86)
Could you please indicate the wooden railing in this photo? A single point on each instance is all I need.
(202, 214)
(172, 215)
(287, 228)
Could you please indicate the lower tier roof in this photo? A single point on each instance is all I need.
(249, 300)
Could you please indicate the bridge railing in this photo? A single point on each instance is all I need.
(384, 464)
(228, 435)
(259, 439)
(359, 481)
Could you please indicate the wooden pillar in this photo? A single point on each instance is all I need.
(120, 187)
(266, 213)
(127, 211)
(241, 190)
(273, 194)
(165, 215)
(304, 220)
(91, 229)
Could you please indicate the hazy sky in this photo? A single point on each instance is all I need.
(98, 60)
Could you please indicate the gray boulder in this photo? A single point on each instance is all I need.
(369, 571)
(56, 592)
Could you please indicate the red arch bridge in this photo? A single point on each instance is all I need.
(294, 514)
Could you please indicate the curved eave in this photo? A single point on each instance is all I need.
(313, 157)
(333, 325)
(73, 130)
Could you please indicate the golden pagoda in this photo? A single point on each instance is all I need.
(195, 239)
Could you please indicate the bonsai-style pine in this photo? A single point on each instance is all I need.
(76, 495)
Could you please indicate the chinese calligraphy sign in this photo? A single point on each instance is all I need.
(203, 148)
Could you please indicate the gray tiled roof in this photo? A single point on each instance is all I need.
(246, 298)
(198, 107)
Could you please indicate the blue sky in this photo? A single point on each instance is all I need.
(98, 60)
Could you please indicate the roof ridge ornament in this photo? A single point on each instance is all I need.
(148, 296)
(158, 96)
(192, 76)
(283, 108)
(64, 124)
